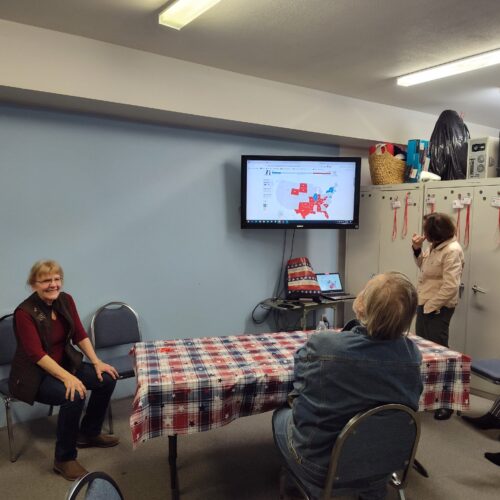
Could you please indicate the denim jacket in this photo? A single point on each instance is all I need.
(338, 375)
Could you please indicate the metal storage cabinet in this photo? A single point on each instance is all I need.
(475, 325)
(443, 194)
(395, 252)
(372, 249)
(483, 319)
(363, 244)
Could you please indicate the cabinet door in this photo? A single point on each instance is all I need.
(484, 292)
(443, 199)
(362, 245)
(395, 238)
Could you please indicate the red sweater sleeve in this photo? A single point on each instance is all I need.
(30, 339)
(27, 335)
(80, 333)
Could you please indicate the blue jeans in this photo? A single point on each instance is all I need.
(311, 479)
(53, 392)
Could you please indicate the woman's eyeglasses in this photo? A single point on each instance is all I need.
(49, 281)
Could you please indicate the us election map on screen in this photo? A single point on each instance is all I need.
(317, 191)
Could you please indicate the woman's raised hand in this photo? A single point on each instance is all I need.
(417, 240)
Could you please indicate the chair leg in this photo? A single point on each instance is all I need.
(110, 419)
(282, 483)
(401, 493)
(51, 410)
(10, 431)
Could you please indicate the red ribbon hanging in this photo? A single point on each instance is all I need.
(467, 227)
(458, 224)
(404, 231)
(498, 227)
(395, 224)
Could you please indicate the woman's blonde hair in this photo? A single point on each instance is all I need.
(387, 305)
(42, 268)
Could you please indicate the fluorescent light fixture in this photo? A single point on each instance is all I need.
(181, 12)
(452, 68)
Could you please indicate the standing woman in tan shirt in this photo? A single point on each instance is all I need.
(441, 266)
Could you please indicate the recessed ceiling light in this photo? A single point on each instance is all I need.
(181, 12)
(452, 68)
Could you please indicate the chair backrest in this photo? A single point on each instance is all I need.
(372, 444)
(8, 342)
(101, 486)
(113, 324)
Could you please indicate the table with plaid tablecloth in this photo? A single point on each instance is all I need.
(192, 385)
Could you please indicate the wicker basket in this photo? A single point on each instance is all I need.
(385, 169)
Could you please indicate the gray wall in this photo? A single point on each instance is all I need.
(144, 214)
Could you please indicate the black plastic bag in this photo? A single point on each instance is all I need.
(448, 146)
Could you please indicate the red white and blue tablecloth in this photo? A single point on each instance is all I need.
(192, 385)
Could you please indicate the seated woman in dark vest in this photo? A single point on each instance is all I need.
(338, 375)
(48, 369)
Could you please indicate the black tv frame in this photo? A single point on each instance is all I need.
(300, 224)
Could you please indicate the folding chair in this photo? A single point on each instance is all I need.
(100, 486)
(115, 324)
(8, 344)
(377, 444)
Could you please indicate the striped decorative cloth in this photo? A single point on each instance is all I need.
(301, 279)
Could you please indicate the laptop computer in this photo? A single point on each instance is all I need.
(331, 286)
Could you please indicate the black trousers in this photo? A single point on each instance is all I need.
(53, 392)
(434, 327)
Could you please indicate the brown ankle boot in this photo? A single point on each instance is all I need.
(69, 469)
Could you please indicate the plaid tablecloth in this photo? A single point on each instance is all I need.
(192, 385)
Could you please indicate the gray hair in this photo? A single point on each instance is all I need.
(387, 305)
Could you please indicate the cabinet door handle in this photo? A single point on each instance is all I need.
(475, 289)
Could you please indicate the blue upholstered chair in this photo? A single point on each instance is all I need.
(112, 325)
(100, 486)
(378, 443)
(488, 369)
(8, 344)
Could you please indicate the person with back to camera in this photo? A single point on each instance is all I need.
(48, 369)
(337, 375)
(441, 266)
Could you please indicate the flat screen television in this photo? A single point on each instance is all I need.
(300, 192)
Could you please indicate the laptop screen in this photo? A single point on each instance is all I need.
(329, 282)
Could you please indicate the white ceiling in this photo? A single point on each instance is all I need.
(353, 48)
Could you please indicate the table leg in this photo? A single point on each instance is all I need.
(172, 460)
